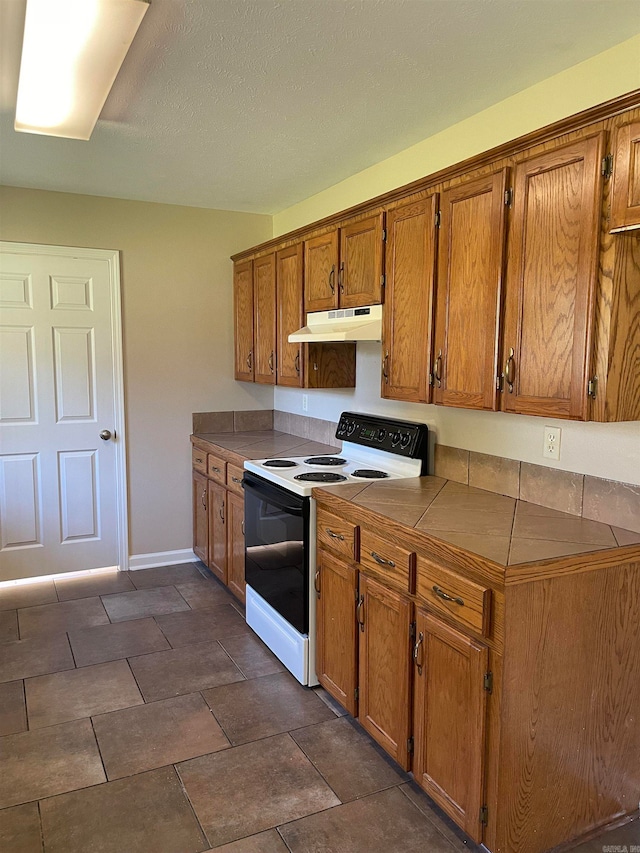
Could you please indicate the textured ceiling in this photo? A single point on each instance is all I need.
(256, 105)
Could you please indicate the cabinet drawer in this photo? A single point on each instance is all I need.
(216, 469)
(391, 563)
(337, 535)
(198, 460)
(447, 592)
(234, 478)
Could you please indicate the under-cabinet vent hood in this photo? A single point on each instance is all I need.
(343, 324)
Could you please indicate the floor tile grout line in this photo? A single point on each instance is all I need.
(95, 737)
(41, 827)
(188, 799)
(431, 821)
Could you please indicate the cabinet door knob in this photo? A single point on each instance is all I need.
(250, 360)
(221, 512)
(316, 583)
(341, 277)
(416, 652)
(510, 370)
(296, 363)
(385, 368)
(437, 368)
(360, 612)
(271, 361)
(204, 498)
(332, 276)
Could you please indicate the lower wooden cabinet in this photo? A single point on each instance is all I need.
(217, 530)
(200, 518)
(235, 545)
(384, 672)
(450, 708)
(336, 591)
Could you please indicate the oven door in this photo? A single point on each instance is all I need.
(276, 536)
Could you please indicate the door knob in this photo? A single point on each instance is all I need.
(105, 434)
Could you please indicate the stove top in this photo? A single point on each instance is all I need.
(373, 448)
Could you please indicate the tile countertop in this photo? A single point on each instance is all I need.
(507, 531)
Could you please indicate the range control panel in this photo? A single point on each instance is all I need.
(404, 438)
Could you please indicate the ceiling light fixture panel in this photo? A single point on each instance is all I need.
(71, 54)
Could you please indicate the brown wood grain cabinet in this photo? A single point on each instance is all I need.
(551, 280)
(235, 544)
(336, 591)
(408, 314)
(625, 196)
(200, 516)
(343, 268)
(450, 709)
(470, 269)
(384, 669)
(518, 685)
(243, 319)
(217, 506)
(264, 319)
(290, 315)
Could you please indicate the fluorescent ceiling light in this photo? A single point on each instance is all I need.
(71, 54)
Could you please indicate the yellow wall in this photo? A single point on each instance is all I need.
(603, 450)
(177, 327)
(592, 82)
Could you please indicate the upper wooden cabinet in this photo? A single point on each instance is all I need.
(290, 315)
(243, 319)
(625, 195)
(408, 318)
(551, 280)
(321, 261)
(264, 319)
(470, 268)
(344, 267)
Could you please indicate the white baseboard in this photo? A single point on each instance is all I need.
(161, 558)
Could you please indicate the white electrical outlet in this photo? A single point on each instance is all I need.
(551, 448)
(305, 402)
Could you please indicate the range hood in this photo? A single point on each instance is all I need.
(343, 324)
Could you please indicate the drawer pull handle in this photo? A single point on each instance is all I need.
(360, 612)
(213, 468)
(236, 480)
(221, 512)
(204, 499)
(442, 594)
(198, 459)
(416, 652)
(316, 583)
(381, 560)
(335, 535)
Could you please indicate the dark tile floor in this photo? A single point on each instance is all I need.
(139, 714)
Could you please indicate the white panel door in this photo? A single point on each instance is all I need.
(62, 494)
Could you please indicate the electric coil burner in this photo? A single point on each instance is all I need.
(280, 525)
(325, 460)
(320, 477)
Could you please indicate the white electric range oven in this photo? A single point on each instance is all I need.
(280, 526)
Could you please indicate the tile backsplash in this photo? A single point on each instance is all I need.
(608, 501)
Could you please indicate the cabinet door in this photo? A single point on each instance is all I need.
(408, 316)
(264, 318)
(551, 279)
(243, 319)
(235, 545)
(336, 590)
(470, 265)
(290, 315)
(200, 519)
(449, 720)
(321, 272)
(217, 530)
(625, 195)
(361, 266)
(385, 667)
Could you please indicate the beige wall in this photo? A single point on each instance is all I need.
(603, 450)
(178, 331)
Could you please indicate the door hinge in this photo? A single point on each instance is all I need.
(606, 169)
(484, 815)
(412, 629)
(592, 387)
(487, 682)
(438, 218)
(384, 235)
(499, 383)
(508, 197)
(410, 746)
(431, 379)
(356, 693)
(383, 280)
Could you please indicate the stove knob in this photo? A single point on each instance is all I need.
(405, 440)
(381, 434)
(351, 427)
(395, 439)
